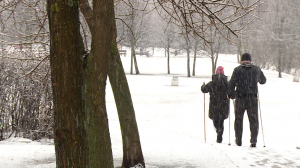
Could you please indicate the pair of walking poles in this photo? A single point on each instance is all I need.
(229, 121)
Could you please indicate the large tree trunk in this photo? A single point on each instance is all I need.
(96, 71)
(132, 151)
(67, 84)
(79, 85)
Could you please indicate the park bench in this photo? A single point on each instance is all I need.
(123, 52)
(142, 53)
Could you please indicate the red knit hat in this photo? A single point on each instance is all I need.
(220, 69)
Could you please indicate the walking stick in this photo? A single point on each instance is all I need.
(229, 120)
(229, 128)
(204, 120)
(261, 120)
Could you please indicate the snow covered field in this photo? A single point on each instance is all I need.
(171, 122)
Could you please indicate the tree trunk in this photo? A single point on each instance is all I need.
(152, 51)
(136, 65)
(212, 58)
(133, 58)
(132, 151)
(213, 63)
(188, 56)
(216, 61)
(239, 50)
(168, 54)
(95, 73)
(195, 56)
(79, 85)
(188, 63)
(279, 33)
(67, 84)
(212, 53)
(279, 63)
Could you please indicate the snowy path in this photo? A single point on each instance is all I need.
(171, 127)
(170, 121)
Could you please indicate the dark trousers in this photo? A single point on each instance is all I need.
(219, 126)
(251, 105)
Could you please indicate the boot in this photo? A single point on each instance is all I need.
(238, 142)
(219, 138)
(253, 145)
(220, 132)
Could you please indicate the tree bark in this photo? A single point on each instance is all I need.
(67, 84)
(95, 75)
(81, 126)
(132, 151)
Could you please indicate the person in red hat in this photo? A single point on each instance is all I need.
(218, 102)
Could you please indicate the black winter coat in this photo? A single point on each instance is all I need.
(218, 102)
(244, 80)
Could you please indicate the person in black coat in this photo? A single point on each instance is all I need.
(243, 86)
(218, 102)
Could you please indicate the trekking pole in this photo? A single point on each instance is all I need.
(229, 128)
(261, 120)
(229, 121)
(204, 120)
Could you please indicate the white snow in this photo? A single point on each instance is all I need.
(171, 121)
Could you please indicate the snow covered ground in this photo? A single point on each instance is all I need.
(171, 122)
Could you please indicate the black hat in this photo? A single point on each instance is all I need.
(246, 57)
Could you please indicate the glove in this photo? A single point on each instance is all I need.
(231, 96)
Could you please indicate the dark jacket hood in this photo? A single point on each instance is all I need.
(219, 79)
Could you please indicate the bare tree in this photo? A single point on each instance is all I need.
(273, 39)
(26, 77)
(197, 16)
(133, 13)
